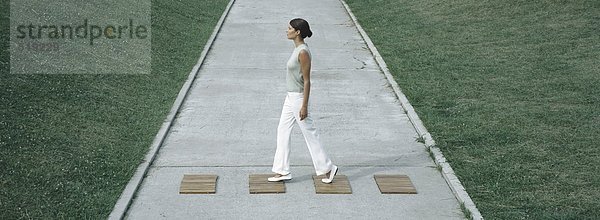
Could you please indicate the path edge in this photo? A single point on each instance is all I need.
(122, 205)
(447, 172)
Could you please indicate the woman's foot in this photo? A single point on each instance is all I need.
(278, 177)
(330, 175)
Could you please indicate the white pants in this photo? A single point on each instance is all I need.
(290, 114)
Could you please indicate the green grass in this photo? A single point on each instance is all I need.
(510, 92)
(70, 143)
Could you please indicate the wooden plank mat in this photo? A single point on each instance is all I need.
(260, 184)
(395, 184)
(340, 185)
(198, 184)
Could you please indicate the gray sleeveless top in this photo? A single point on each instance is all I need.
(295, 81)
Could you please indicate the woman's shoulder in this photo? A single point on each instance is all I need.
(304, 51)
(303, 47)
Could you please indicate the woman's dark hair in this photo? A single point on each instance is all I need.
(302, 25)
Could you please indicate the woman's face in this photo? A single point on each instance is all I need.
(292, 33)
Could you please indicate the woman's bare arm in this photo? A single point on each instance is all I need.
(305, 69)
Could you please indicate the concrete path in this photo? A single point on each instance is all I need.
(227, 126)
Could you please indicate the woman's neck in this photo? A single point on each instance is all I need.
(298, 42)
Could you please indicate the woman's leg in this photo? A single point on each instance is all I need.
(321, 161)
(281, 164)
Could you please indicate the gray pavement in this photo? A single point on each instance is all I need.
(228, 122)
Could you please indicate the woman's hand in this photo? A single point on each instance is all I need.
(303, 112)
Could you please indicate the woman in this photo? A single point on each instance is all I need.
(295, 109)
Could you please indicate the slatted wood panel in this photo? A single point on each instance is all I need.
(395, 184)
(340, 185)
(198, 184)
(259, 184)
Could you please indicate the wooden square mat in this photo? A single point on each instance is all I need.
(198, 184)
(340, 185)
(260, 184)
(395, 184)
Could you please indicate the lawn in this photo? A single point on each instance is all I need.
(510, 91)
(69, 143)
